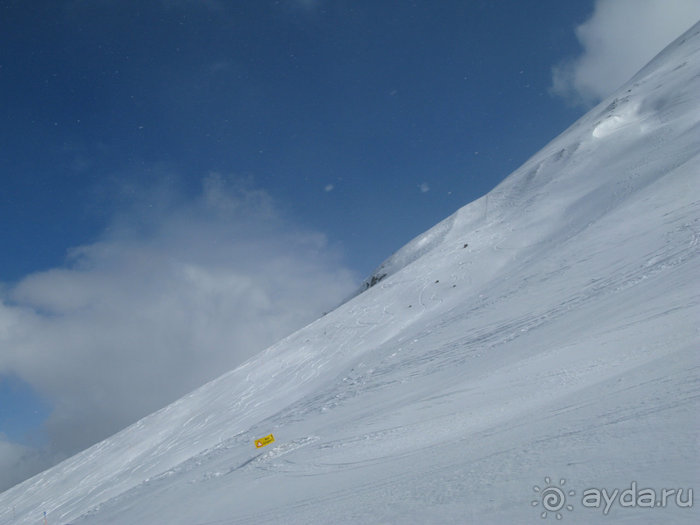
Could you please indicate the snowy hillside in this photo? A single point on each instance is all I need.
(549, 329)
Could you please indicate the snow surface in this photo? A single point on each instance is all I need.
(562, 342)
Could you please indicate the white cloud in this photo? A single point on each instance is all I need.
(424, 187)
(619, 39)
(174, 294)
(328, 188)
(17, 462)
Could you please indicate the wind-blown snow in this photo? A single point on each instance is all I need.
(562, 341)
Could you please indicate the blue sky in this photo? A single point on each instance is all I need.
(186, 181)
(371, 98)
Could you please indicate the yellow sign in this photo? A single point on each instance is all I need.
(259, 443)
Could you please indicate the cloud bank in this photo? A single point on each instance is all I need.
(619, 39)
(176, 292)
(17, 462)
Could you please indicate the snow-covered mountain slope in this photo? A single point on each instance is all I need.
(549, 329)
